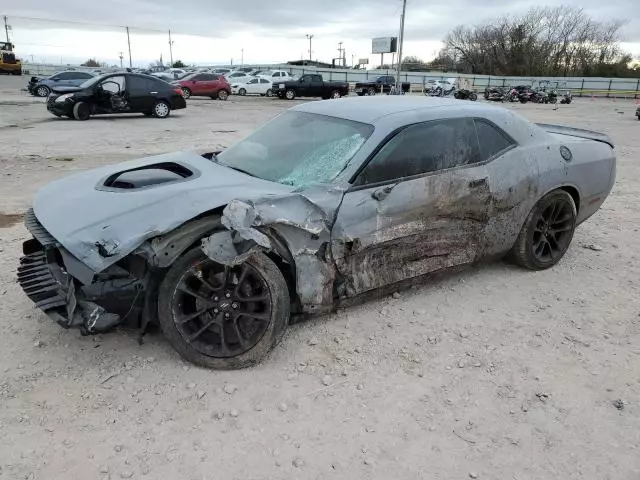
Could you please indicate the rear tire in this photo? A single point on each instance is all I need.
(547, 232)
(473, 97)
(161, 109)
(81, 111)
(174, 329)
(269, 93)
(186, 93)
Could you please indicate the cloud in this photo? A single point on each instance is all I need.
(285, 22)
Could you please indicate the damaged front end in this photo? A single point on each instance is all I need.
(72, 294)
(296, 227)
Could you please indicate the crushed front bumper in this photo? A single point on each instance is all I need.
(43, 276)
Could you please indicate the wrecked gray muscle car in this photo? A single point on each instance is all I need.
(326, 202)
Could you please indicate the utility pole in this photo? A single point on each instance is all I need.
(310, 37)
(242, 57)
(6, 28)
(170, 49)
(121, 57)
(129, 43)
(398, 82)
(340, 50)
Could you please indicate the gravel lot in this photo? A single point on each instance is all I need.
(491, 373)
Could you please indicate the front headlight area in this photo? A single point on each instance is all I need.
(64, 98)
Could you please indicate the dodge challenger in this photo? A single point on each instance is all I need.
(328, 202)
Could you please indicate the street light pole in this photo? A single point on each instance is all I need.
(129, 43)
(121, 57)
(398, 82)
(242, 57)
(310, 37)
(170, 49)
(6, 28)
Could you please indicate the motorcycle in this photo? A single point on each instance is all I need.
(464, 94)
(526, 96)
(553, 97)
(567, 98)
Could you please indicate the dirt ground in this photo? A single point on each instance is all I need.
(492, 373)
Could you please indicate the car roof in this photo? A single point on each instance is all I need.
(371, 109)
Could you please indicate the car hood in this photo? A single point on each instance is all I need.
(101, 225)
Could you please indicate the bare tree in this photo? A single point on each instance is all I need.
(544, 41)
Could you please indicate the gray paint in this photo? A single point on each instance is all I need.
(342, 240)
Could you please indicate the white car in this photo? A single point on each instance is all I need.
(273, 75)
(238, 77)
(255, 86)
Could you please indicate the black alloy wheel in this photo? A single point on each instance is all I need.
(223, 317)
(547, 232)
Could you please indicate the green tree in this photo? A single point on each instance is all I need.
(178, 64)
(92, 62)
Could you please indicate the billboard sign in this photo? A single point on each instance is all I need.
(363, 61)
(384, 45)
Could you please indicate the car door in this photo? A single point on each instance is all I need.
(265, 85)
(253, 86)
(111, 94)
(142, 92)
(317, 86)
(196, 84)
(420, 205)
(305, 85)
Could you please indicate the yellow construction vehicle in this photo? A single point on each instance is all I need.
(9, 64)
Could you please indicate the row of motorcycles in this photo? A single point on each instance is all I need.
(525, 94)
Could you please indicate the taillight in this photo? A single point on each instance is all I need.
(178, 90)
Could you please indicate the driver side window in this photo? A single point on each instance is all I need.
(424, 148)
(113, 84)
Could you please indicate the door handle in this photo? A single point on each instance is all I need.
(153, 93)
(477, 183)
(382, 193)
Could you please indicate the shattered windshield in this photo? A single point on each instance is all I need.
(298, 149)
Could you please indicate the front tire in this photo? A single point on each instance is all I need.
(223, 317)
(290, 94)
(242, 92)
(335, 94)
(371, 91)
(43, 91)
(473, 97)
(81, 111)
(269, 93)
(186, 93)
(161, 109)
(547, 232)
(223, 95)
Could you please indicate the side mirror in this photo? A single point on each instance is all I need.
(55, 79)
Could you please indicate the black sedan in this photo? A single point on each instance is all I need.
(116, 93)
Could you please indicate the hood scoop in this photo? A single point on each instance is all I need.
(147, 176)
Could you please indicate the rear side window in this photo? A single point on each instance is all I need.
(492, 140)
(142, 84)
(424, 148)
(68, 76)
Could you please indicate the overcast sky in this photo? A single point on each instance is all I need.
(207, 32)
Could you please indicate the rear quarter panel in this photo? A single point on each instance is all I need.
(591, 171)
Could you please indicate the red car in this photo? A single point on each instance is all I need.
(204, 85)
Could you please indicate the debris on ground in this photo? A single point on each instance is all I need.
(619, 404)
